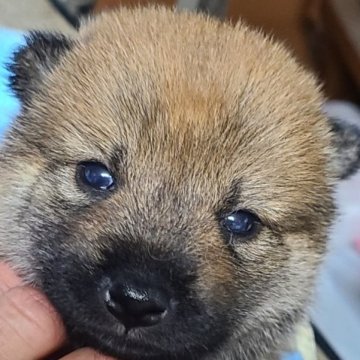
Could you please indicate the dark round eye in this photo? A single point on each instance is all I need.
(95, 175)
(240, 223)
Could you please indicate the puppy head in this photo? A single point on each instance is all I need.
(168, 185)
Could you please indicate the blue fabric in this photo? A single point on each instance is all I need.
(10, 41)
(293, 356)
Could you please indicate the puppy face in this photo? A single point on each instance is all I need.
(168, 185)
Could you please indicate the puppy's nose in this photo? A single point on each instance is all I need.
(137, 306)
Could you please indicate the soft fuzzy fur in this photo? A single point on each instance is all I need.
(196, 119)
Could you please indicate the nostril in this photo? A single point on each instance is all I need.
(137, 307)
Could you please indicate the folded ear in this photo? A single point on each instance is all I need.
(346, 142)
(32, 61)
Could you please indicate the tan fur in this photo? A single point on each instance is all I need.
(196, 104)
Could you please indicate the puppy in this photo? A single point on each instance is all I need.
(169, 185)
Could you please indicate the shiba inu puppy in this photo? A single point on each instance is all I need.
(169, 185)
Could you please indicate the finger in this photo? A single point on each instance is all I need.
(8, 278)
(86, 354)
(29, 326)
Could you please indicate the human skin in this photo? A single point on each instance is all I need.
(30, 328)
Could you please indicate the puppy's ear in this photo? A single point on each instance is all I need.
(346, 141)
(34, 60)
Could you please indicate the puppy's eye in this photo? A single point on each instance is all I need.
(241, 223)
(96, 176)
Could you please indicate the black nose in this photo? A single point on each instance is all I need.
(137, 306)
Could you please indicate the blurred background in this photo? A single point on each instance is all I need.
(324, 35)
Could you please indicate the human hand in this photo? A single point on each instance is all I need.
(30, 328)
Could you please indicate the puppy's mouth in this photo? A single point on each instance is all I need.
(133, 349)
(133, 344)
(127, 347)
